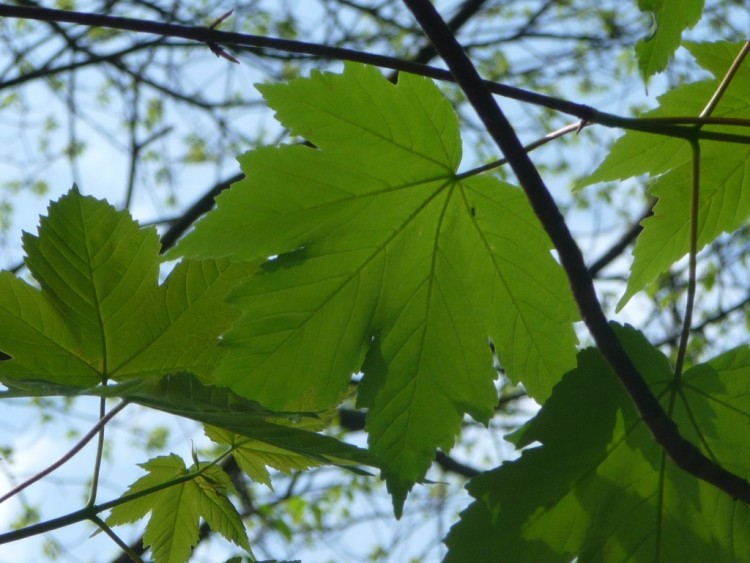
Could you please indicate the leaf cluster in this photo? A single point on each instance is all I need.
(368, 250)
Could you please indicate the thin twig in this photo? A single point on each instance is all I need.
(208, 36)
(687, 321)
(528, 148)
(87, 512)
(624, 241)
(726, 81)
(694, 209)
(99, 454)
(65, 458)
(700, 120)
(720, 315)
(115, 538)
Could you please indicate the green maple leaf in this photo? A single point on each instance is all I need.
(99, 312)
(725, 176)
(254, 456)
(600, 488)
(670, 20)
(172, 529)
(384, 252)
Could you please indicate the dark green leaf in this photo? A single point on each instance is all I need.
(599, 487)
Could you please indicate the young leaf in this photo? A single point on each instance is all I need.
(670, 20)
(100, 313)
(599, 488)
(383, 250)
(172, 529)
(253, 456)
(217, 510)
(725, 179)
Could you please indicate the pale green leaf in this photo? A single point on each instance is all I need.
(214, 506)
(383, 252)
(724, 202)
(599, 488)
(172, 529)
(99, 312)
(160, 470)
(254, 456)
(670, 20)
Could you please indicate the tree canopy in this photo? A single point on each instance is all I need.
(499, 245)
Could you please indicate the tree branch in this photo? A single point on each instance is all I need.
(68, 455)
(622, 243)
(669, 127)
(684, 454)
(203, 205)
(354, 421)
(720, 315)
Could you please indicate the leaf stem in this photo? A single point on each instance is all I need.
(664, 430)
(692, 265)
(99, 454)
(72, 452)
(577, 126)
(726, 81)
(115, 538)
(694, 207)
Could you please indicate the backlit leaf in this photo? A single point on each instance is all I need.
(670, 20)
(254, 456)
(99, 312)
(387, 261)
(603, 489)
(172, 529)
(725, 175)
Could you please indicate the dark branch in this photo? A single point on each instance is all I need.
(467, 10)
(203, 205)
(685, 454)
(210, 36)
(618, 247)
(354, 421)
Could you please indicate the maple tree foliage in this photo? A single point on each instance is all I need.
(410, 268)
(367, 249)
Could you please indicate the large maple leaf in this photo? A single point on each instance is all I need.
(385, 260)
